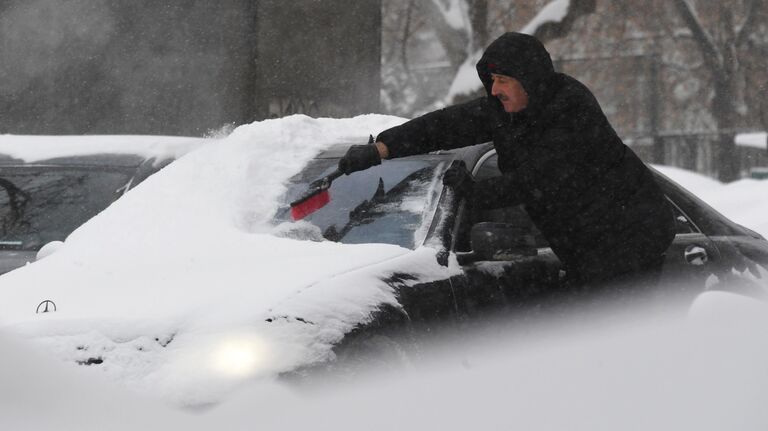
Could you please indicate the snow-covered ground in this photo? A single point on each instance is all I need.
(175, 259)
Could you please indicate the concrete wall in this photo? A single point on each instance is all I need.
(318, 57)
(181, 67)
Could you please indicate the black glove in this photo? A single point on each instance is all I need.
(459, 179)
(359, 157)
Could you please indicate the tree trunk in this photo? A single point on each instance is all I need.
(478, 18)
(724, 113)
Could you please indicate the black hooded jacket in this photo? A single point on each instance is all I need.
(591, 197)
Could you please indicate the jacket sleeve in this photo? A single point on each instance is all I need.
(452, 127)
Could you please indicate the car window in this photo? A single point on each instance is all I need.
(683, 223)
(391, 203)
(515, 215)
(699, 214)
(39, 205)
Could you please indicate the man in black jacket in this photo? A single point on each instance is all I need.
(591, 197)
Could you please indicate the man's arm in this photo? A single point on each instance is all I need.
(495, 192)
(456, 126)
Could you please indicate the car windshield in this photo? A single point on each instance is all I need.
(39, 205)
(391, 203)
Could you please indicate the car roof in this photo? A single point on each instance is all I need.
(470, 154)
(94, 160)
(93, 150)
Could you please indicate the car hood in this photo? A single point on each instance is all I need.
(154, 286)
(171, 327)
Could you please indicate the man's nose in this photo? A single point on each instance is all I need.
(494, 89)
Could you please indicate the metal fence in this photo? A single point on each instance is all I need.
(637, 92)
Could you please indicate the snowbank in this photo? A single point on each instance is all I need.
(598, 372)
(755, 140)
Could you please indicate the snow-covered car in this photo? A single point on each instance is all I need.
(198, 279)
(51, 185)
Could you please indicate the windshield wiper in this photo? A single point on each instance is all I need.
(359, 215)
(369, 210)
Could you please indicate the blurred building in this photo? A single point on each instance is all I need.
(183, 67)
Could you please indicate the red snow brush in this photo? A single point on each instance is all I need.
(315, 198)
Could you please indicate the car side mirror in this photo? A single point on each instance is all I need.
(501, 241)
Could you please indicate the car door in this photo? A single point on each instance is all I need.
(692, 257)
(690, 261)
(510, 280)
(711, 251)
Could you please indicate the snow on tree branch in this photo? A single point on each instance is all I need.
(553, 12)
(454, 12)
(556, 18)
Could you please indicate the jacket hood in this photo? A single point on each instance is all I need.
(522, 57)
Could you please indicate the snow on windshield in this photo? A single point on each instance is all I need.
(391, 203)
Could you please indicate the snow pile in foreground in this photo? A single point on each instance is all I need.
(577, 372)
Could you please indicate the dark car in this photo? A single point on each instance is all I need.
(504, 262)
(44, 200)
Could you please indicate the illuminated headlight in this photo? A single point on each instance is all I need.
(239, 356)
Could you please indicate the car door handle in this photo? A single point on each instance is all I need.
(696, 255)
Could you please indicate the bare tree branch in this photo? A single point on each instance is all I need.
(478, 17)
(711, 54)
(749, 22)
(406, 36)
(453, 40)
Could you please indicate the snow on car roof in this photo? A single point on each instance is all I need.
(35, 148)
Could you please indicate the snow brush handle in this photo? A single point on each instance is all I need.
(320, 185)
(325, 182)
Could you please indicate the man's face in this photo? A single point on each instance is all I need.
(510, 92)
